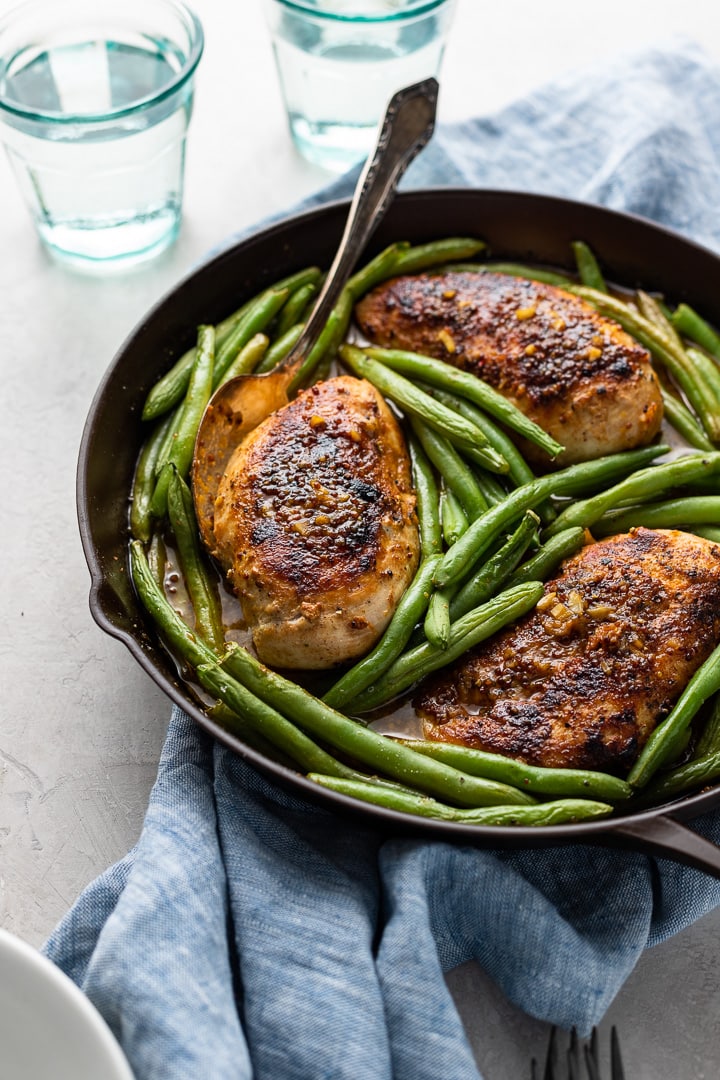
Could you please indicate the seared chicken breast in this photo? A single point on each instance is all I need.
(575, 373)
(583, 680)
(315, 524)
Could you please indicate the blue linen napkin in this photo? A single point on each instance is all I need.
(250, 934)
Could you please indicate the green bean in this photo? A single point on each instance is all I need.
(708, 369)
(398, 258)
(427, 499)
(468, 631)
(173, 419)
(279, 349)
(463, 383)
(321, 371)
(534, 273)
(249, 357)
(557, 812)
(452, 517)
(687, 321)
(417, 403)
(294, 281)
(692, 381)
(271, 724)
(570, 481)
(308, 275)
(226, 718)
(698, 509)
(706, 485)
(692, 774)
(704, 367)
(401, 258)
(709, 740)
(652, 310)
(437, 620)
(588, 268)
(294, 307)
(170, 389)
(254, 712)
(456, 474)
(465, 267)
(710, 532)
(477, 456)
(145, 479)
(436, 253)
(362, 744)
(380, 268)
(703, 398)
(665, 741)
(178, 635)
(327, 344)
(158, 503)
(201, 588)
(189, 647)
(256, 319)
(684, 422)
(409, 611)
(518, 469)
(491, 576)
(199, 390)
(639, 485)
(156, 558)
(578, 783)
(493, 491)
(543, 564)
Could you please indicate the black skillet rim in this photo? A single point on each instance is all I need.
(137, 642)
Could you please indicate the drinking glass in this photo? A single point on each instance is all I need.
(95, 101)
(340, 61)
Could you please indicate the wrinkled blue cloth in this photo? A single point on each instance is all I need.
(251, 934)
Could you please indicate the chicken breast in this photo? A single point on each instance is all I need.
(583, 680)
(576, 374)
(315, 524)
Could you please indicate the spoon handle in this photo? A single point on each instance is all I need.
(407, 127)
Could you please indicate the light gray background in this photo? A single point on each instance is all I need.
(81, 725)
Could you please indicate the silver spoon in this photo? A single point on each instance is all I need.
(239, 405)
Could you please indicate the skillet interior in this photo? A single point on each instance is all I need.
(518, 226)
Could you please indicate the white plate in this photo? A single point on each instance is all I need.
(48, 1028)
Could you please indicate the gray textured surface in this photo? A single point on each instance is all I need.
(80, 725)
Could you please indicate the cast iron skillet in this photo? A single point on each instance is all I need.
(531, 228)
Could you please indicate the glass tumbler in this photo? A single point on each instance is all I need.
(95, 101)
(340, 61)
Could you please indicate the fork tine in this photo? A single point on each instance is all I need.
(594, 1047)
(616, 1065)
(593, 1073)
(573, 1057)
(592, 1062)
(551, 1059)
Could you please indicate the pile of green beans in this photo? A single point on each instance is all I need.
(490, 531)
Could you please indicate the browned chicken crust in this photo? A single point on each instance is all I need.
(315, 523)
(583, 680)
(574, 372)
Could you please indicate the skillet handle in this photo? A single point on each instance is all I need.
(662, 835)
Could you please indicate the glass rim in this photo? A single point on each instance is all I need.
(422, 7)
(197, 43)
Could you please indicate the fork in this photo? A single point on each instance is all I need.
(568, 1066)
